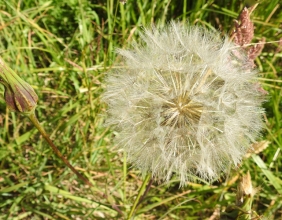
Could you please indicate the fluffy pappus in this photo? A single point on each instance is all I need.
(184, 102)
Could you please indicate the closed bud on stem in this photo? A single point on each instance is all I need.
(19, 95)
(244, 199)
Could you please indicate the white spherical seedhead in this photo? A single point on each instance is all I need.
(186, 102)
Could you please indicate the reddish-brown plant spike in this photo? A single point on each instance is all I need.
(244, 28)
(279, 48)
(255, 50)
(243, 34)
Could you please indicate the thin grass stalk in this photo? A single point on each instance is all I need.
(36, 123)
(140, 193)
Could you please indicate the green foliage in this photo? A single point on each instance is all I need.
(64, 48)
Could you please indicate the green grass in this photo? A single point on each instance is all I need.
(64, 48)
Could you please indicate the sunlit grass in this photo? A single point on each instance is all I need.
(63, 49)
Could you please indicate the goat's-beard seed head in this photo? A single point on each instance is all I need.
(185, 102)
(181, 111)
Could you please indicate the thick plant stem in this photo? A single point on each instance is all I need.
(36, 123)
(147, 178)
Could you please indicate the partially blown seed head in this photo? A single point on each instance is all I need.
(186, 102)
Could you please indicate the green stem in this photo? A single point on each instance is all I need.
(36, 123)
(148, 177)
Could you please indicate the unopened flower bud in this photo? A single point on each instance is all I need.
(245, 189)
(19, 95)
(244, 198)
